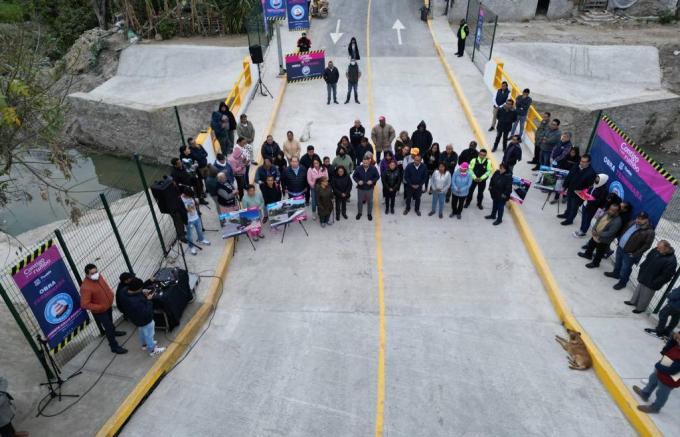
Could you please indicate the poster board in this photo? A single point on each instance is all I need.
(46, 284)
(286, 211)
(274, 9)
(240, 222)
(298, 14)
(550, 178)
(305, 66)
(520, 188)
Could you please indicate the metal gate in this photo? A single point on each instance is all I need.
(482, 22)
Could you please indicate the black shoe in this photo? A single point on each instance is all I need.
(532, 162)
(627, 302)
(479, 206)
(566, 223)
(585, 255)
(647, 409)
(203, 202)
(619, 286)
(387, 210)
(452, 214)
(336, 102)
(592, 265)
(494, 149)
(356, 101)
(346, 102)
(491, 129)
(640, 393)
(466, 205)
(535, 168)
(344, 215)
(328, 102)
(392, 210)
(490, 217)
(637, 311)
(119, 350)
(406, 211)
(440, 215)
(431, 213)
(418, 213)
(358, 216)
(611, 275)
(120, 333)
(562, 216)
(497, 222)
(370, 217)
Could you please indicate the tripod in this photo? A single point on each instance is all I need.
(54, 381)
(260, 85)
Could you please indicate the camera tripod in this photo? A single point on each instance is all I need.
(260, 85)
(54, 380)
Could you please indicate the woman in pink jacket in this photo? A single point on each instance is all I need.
(237, 162)
(313, 175)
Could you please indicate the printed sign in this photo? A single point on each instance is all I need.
(239, 222)
(274, 9)
(298, 14)
(480, 25)
(520, 188)
(286, 211)
(549, 178)
(51, 295)
(301, 66)
(634, 177)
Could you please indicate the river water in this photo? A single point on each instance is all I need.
(92, 174)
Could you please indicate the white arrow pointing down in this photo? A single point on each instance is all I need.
(335, 36)
(398, 27)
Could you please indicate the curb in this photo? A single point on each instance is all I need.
(603, 369)
(174, 352)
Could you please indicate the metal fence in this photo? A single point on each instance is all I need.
(118, 234)
(482, 22)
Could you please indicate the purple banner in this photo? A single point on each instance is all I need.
(305, 65)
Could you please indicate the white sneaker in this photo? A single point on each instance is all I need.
(157, 351)
(206, 242)
(313, 216)
(578, 234)
(194, 251)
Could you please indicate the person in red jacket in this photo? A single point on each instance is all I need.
(97, 297)
(664, 378)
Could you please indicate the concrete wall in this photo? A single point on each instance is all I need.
(514, 10)
(644, 8)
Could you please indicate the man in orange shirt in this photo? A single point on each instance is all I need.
(97, 297)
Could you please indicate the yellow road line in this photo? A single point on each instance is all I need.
(380, 389)
(603, 369)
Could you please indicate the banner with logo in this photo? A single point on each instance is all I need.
(634, 176)
(240, 222)
(480, 26)
(298, 14)
(302, 66)
(274, 9)
(51, 295)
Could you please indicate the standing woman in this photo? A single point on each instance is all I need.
(402, 141)
(353, 49)
(342, 189)
(324, 200)
(313, 175)
(500, 188)
(432, 161)
(391, 182)
(291, 147)
(236, 162)
(440, 181)
(461, 181)
(344, 143)
(271, 193)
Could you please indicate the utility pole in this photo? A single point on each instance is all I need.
(282, 69)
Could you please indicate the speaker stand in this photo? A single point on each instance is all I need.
(260, 85)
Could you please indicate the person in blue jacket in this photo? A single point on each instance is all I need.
(461, 181)
(365, 176)
(415, 177)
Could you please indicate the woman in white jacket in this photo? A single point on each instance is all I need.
(440, 181)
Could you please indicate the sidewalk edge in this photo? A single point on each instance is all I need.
(603, 369)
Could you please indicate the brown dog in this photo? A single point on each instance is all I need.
(579, 357)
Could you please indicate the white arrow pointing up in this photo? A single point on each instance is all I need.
(335, 36)
(398, 27)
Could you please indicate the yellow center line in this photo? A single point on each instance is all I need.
(380, 392)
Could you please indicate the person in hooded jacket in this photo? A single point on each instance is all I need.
(656, 270)
(391, 182)
(353, 49)
(342, 190)
(223, 123)
(356, 133)
(421, 138)
(461, 181)
(270, 148)
(281, 164)
(385, 162)
(468, 154)
(600, 193)
(513, 154)
(135, 304)
(500, 188)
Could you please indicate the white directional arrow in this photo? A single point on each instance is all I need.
(335, 36)
(398, 27)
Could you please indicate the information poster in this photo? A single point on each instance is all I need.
(298, 14)
(46, 284)
(240, 222)
(520, 188)
(551, 179)
(286, 211)
(274, 9)
(480, 26)
(302, 66)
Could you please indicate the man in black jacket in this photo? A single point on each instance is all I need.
(500, 188)
(296, 179)
(657, 269)
(450, 160)
(353, 75)
(502, 95)
(365, 176)
(331, 75)
(670, 311)
(421, 138)
(513, 154)
(415, 176)
(580, 177)
(135, 304)
(507, 116)
(468, 154)
(634, 241)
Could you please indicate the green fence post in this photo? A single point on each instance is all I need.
(116, 233)
(667, 292)
(27, 334)
(67, 254)
(179, 125)
(493, 36)
(148, 199)
(592, 134)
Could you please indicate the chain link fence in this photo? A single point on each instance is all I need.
(482, 22)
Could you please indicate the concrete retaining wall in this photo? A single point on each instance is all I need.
(644, 8)
(514, 10)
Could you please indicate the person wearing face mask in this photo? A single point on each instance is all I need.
(353, 74)
(96, 296)
(343, 160)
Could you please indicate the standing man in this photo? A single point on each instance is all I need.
(135, 303)
(245, 129)
(365, 175)
(353, 75)
(507, 116)
(295, 178)
(540, 131)
(415, 176)
(304, 43)
(499, 100)
(331, 75)
(662, 378)
(500, 188)
(513, 154)
(481, 170)
(603, 232)
(657, 269)
(671, 310)
(463, 32)
(450, 160)
(421, 138)
(522, 105)
(382, 136)
(468, 154)
(580, 177)
(637, 237)
(96, 296)
(550, 139)
(356, 133)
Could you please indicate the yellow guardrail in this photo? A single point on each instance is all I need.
(234, 100)
(533, 117)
